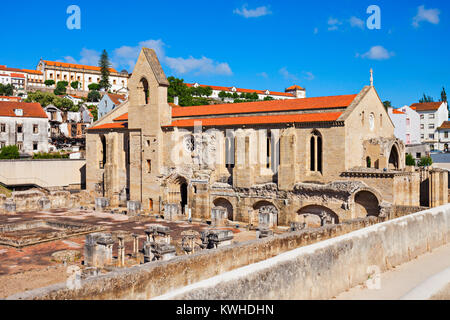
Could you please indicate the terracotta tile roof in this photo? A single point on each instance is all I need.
(74, 66)
(445, 125)
(427, 106)
(10, 69)
(123, 117)
(121, 125)
(233, 121)
(294, 87)
(266, 106)
(17, 75)
(30, 110)
(395, 111)
(11, 98)
(219, 88)
(33, 71)
(116, 98)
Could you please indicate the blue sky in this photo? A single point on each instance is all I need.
(324, 46)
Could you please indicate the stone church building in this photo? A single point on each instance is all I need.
(328, 158)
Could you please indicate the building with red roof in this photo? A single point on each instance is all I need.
(25, 125)
(265, 163)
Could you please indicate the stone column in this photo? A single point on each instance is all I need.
(135, 245)
(121, 251)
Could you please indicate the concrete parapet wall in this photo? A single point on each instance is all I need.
(327, 268)
(43, 173)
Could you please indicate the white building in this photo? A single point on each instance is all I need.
(432, 116)
(293, 92)
(109, 102)
(85, 75)
(24, 125)
(407, 124)
(32, 78)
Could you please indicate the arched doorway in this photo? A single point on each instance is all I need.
(394, 158)
(266, 213)
(315, 216)
(178, 193)
(224, 203)
(366, 204)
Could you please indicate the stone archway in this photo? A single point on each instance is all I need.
(266, 213)
(224, 203)
(394, 158)
(366, 204)
(178, 194)
(315, 216)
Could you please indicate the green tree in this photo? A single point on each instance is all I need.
(410, 160)
(94, 96)
(94, 111)
(177, 88)
(75, 85)
(105, 66)
(94, 87)
(268, 98)
(9, 152)
(49, 83)
(426, 98)
(61, 88)
(387, 104)
(6, 90)
(425, 162)
(222, 95)
(443, 95)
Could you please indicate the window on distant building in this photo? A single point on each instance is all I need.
(431, 116)
(422, 136)
(2, 144)
(35, 146)
(431, 126)
(408, 139)
(65, 77)
(422, 126)
(149, 166)
(50, 75)
(2, 127)
(431, 136)
(90, 79)
(421, 116)
(408, 122)
(114, 81)
(20, 146)
(35, 128)
(446, 134)
(19, 128)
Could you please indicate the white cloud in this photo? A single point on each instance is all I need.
(263, 74)
(333, 24)
(430, 15)
(287, 75)
(252, 13)
(198, 66)
(126, 57)
(309, 75)
(356, 22)
(88, 57)
(377, 53)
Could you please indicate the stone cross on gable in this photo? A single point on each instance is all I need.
(371, 77)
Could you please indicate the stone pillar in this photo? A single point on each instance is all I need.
(133, 207)
(121, 251)
(288, 158)
(9, 206)
(135, 245)
(98, 250)
(44, 203)
(101, 204)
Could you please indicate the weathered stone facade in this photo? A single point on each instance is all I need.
(314, 160)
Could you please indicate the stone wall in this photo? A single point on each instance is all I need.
(36, 200)
(325, 269)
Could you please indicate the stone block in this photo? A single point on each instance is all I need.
(44, 203)
(133, 207)
(101, 203)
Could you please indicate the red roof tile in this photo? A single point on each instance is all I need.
(294, 87)
(233, 121)
(395, 111)
(30, 110)
(74, 66)
(427, 106)
(122, 125)
(445, 125)
(116, 98)
(123, 117)
(219, 88)
(266, 106)
(17, 75)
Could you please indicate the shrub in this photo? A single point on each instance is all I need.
(410, 160)
(9, 152)
(425, 162)
(50, 155)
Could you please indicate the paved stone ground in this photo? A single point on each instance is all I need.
(32, 267)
